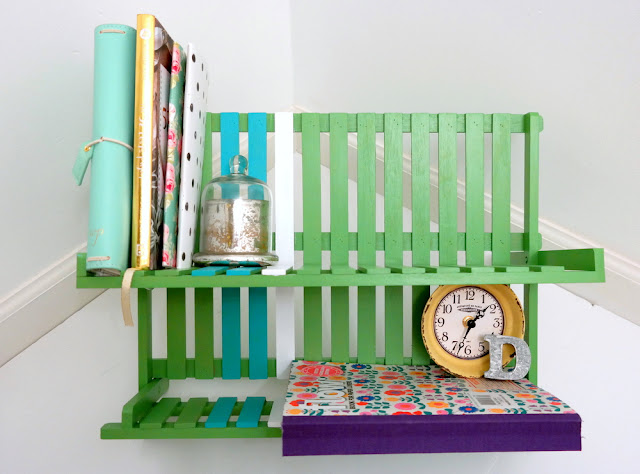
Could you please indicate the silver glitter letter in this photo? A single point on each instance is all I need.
(523, 357)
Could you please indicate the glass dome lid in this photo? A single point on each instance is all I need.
(235, 220)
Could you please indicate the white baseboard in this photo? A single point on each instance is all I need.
(40, 305)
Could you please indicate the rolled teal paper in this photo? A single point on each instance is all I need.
(110, 195)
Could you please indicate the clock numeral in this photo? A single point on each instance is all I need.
(496, 323)
(456, 299)
(471, 295)
(440, 322)
(483, 298)
(493, 308)
(447, 308)
(467, 350)
(445, 336)
(455, 345)
(481, 347)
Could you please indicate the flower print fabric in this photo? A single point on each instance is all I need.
(174, 150)
(362, 389)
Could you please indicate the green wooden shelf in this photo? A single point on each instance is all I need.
(555, 266)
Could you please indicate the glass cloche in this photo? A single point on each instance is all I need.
(235, 220)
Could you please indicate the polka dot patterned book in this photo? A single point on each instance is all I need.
(334, 408)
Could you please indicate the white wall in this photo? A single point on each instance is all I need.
(575, 62)
(46, 97)
(55, 395)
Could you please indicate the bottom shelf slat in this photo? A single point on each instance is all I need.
(169, 431)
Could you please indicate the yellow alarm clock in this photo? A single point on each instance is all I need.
(456, 319)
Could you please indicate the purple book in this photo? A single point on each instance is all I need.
(334, 408)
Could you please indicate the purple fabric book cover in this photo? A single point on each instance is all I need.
(334, 408)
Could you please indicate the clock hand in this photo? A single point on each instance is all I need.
(470, 324)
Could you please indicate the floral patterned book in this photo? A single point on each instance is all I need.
(324, 399)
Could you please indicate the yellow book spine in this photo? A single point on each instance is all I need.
(143, 137)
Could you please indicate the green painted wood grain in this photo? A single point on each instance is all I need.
(159, 413)
(366, 141)
(531, 328)
(145, 373)
(138, 407)
(420, 227)
(176, 333)
(191, 413)
(203, 318)
(393, 215)
(474, 184)
(447, 189)
(312, 329)
(311, 191)
(501, 190)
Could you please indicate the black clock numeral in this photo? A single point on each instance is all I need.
(493, 308)
(445, 336)
(470, 295)
(456, 299)
(481, 347)
(467, 350)
(447, 308)
(496, 323)
(483, 298)
(455, 345)
(440, 322)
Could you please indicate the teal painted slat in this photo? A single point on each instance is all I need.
(393, 232)
(474, 198)
(220, 413)
(210, 271)
(258, 334)
(229, 146)
(244, 271)
(257, 296)
(230, 333)
(250, 414)
(447, 189)
(501, 190)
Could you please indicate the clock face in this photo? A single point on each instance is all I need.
(462, 319)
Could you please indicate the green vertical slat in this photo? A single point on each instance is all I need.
(533, 127)
(339, 185)
(447, 190)
(207, 166)
(145, 364)
(311, 192)
(176, 334)
(203, 316)
(393, 302)
(531, 328)
(501, 190)
(311, 222)
(420, 227)
(366, 339)
(474, 197)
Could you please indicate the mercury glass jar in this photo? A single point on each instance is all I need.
(235, 220)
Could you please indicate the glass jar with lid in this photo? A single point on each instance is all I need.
(235, 220)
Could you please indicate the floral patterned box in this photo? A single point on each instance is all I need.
(528, 418)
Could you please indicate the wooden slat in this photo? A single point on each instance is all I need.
(501, 191)
(311, 191)
(339, 236)
(312, 308)
(250, 414)
(229, 145)
(393, 236)
(176, 333)
(230, 333)
(420, 227)
(219, 416)
(447, 189)
(366, 339)
(517, 123)
(257, 296)
(159, 413)
(474, 196)
(203, 320)
(284, 209)
(191, 413)
(145, 372)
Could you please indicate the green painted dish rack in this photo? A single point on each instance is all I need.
(516, 257)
